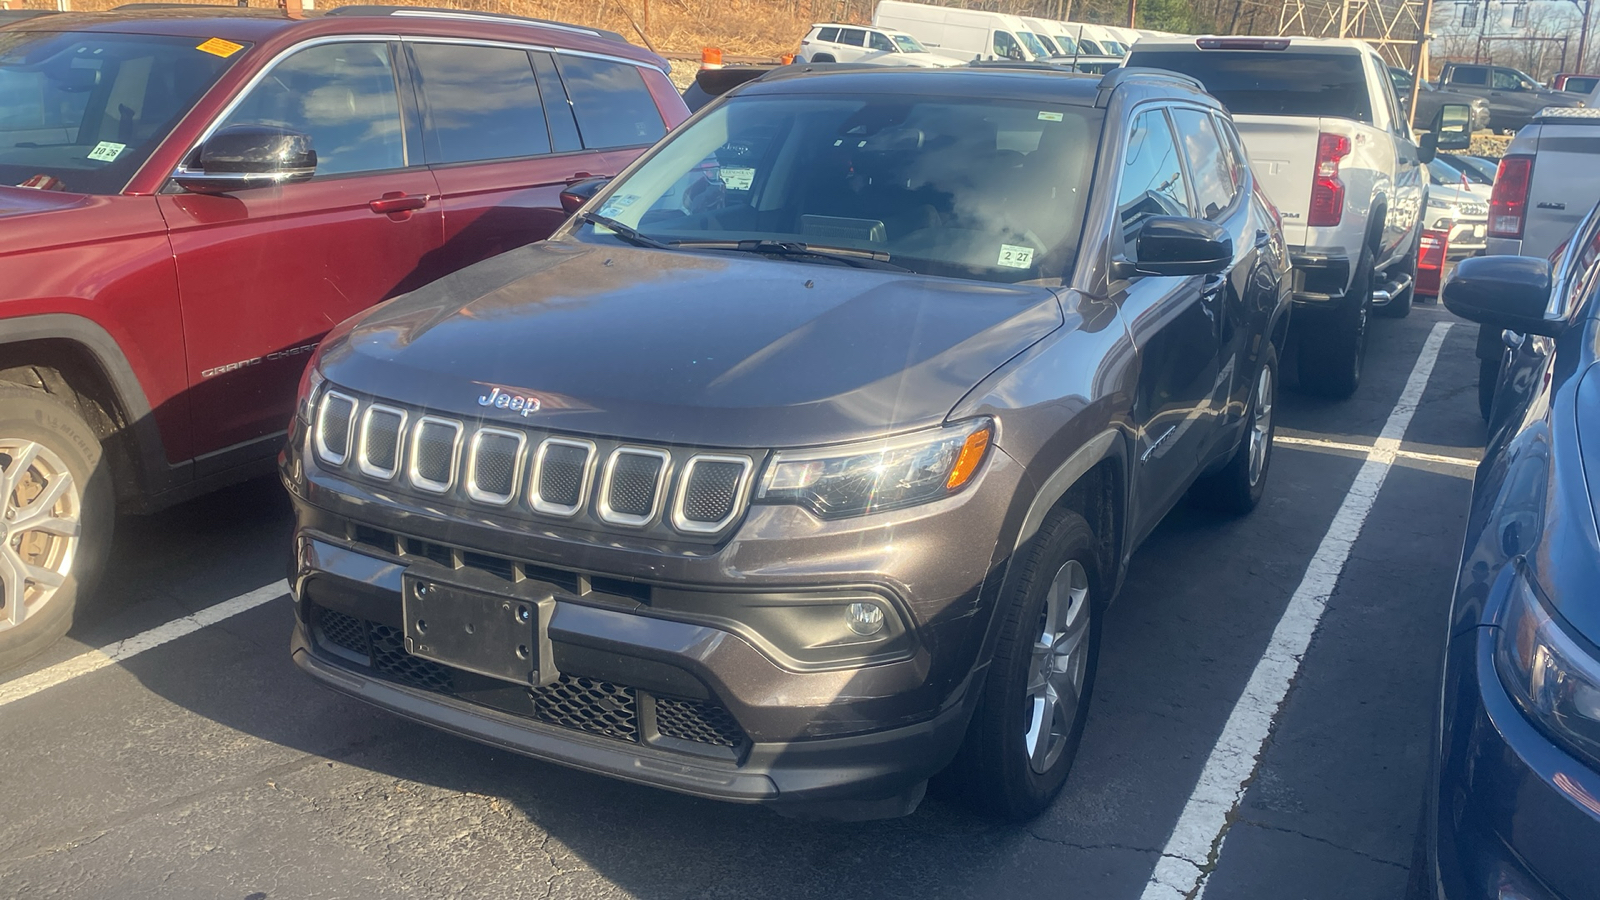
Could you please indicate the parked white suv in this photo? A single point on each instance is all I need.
(834, 43)
(1325, 135)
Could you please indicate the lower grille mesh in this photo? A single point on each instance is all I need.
(698, 721)
(577, 702)
(598, 707)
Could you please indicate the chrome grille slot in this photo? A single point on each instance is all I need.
(435, 453)
(493, 464)
(630, 490)
(336, 419)
(379, 449)
(562, 471)
(709, 493)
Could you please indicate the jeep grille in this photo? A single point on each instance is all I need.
(593, 483)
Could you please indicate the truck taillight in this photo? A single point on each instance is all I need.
(1327, 191)
(1508, 205)
(1430, 261)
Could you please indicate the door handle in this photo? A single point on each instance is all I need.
(1213, 285)
(576, 177)
(398, 202)
(1262, 238)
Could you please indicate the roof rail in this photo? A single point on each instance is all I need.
(135, 7)
(1116, 77)
(429, 12)
(1024, 65)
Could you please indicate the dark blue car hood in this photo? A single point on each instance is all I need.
(694, 348)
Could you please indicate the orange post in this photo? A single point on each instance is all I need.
(710, 57)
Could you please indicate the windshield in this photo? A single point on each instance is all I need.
(987, 190)
(87, 109)
(908, 44)
(1114, 48)
(1068, 46)
(1035, 49)
(1273, 82)
(1468, 171)
(1049, 46)
(1089, 48)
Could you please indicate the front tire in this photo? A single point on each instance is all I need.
(1025, 732)
(56, 515)
(1239, 486)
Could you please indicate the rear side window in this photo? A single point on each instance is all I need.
(1469, 75)
(1213, 176)
(828, 35)
(855, 37)
(1233, 148)
(1152, 174)
(483, 103)
(1272, 82)
(611, 102)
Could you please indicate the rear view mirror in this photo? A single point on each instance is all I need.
(249, 156)
(1452, 127)
(1505, 292)
(579, 192)
(1171, 245)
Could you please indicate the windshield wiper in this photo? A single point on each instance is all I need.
(625, 232)
(861, 259)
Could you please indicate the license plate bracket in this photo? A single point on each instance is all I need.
(499, 635)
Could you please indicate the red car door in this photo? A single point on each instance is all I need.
(264, 273)
(503, 140)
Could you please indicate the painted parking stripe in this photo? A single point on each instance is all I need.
(1415, 455)
(1196, 841)
(95, 660)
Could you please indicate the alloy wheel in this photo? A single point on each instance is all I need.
(1059, 664)
(41, 506)
(1261, 426)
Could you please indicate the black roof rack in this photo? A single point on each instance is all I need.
(441, 13)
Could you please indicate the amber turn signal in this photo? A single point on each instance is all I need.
(971, 457)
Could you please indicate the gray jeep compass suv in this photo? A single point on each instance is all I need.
(799, 466)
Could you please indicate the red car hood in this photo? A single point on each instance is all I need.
(15, 201)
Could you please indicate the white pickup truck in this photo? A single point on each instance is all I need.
(1323, 129)
(1548, 181)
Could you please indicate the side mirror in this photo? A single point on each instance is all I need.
(1452, 127)
(1427, 147)
(1171, 245)
(1506, 292)
(579, 192)
(249, 156)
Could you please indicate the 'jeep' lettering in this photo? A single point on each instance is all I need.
(517, 403)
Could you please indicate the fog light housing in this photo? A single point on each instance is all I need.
(864, 618)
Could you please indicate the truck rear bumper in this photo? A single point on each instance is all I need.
(1320, 278)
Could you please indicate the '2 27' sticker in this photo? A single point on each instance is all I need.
(1015, 257)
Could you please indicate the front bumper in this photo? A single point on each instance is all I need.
(651, 695)
(1514, 816)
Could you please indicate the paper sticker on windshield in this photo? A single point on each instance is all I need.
(107, 151)
(738, 179)
(618, 203)
(1014, 257)
(220, 47)
(1047, 116)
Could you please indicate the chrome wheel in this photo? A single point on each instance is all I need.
(41, 505)
(1058, 667)
(1261, 426)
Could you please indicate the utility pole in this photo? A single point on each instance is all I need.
(1419, 59)
(1583, 34)
(1344, 18)
(1133, 12)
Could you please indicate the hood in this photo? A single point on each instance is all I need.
(1453, 194)
(709, 349)
(927, 60)
(15, 201)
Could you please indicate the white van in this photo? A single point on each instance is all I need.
(1053, 36)
(963, 34)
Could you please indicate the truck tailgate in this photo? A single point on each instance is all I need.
(1283, 153)
(1566, 184)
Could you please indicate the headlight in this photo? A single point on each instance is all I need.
(880, 475)
(1553, 679)
(310, 386)
(1436, 203)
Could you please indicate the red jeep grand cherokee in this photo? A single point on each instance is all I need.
(192, 197)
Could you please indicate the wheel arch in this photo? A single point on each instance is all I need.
(1092, 482)
(76, 360)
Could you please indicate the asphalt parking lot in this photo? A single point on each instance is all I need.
(207, 766)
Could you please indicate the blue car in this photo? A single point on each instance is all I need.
(1514, 812)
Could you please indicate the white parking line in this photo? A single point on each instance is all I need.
(94, 660)
(1196, 841)
(1417, 455)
